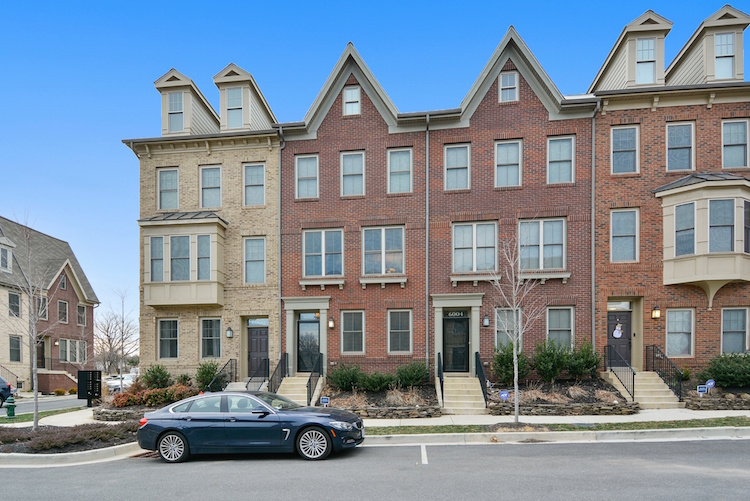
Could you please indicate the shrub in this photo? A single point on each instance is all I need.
(154, 397)
(59, 391)
(728, 370)
(184, 380)
(686, 374)
(157, 376)
(136, 386)
(583, 362)
(550, 359)
(502, 365)
(377, 381)
(207, 371)
(413, 374)
(346, 377)
(72, 391)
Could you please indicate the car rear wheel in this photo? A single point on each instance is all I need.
(173, 447)
(313, 443)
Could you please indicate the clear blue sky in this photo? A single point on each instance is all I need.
(77, 77)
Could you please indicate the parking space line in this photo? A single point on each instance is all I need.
(424, 454)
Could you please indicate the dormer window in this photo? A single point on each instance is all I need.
(5, 259)
(645, 66)
(234, 108)
(724, 51)
(508, 87)
(352, 101)
(175, 112)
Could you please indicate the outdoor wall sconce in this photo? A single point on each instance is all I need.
(57, 343)
(331, 325)
(486, 321)
(230, 332)
(655, 313)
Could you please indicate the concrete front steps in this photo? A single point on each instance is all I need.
(462, 395)
(650, 391)
(295, 389)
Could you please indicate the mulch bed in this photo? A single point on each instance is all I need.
(55, 440)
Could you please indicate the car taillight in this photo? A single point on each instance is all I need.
(144, 421)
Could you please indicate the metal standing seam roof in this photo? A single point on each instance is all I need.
(699, 178)
(184, 216)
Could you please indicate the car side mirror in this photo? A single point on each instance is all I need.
(261, 412)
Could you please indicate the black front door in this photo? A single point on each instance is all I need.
(618, 333)
(456, 344)
(257, 353)
(40, 359)
(308, 344)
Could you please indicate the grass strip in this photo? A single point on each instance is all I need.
(29, 417)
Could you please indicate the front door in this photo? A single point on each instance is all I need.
(456, 344)
(257, 353)
(40, 358)
(618, 333)
(308, 343)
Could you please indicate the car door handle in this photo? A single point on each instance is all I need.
(232, 420)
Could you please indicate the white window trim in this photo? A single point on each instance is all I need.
(296, 177)
(158, 337)
(572, 138)
(244, 261)
(200, 327)
(63, 282)
(341, 173)
(635, 77)
(734, 225)
(382, 230)
(244, 184)
(411, 169)
(692, 146)
(747, 326)
(20, 349)
(692, 333)
(364, 329)
(674, 228)
(637, 235)
(198, 257)
(747, 146)
(180, 112)
(520, 162)
(542, 244)
(733, 56)
(411, 331)
(158, 188)
(20, 305)
(191, 242)
(500, 87)
(520, 329)
(72, 342)
(572, 323)
(200, 180)
(78, 315)
(9, 261)
(637, 150)
(42, 307)
(67, 312)
(473, 246)
(241, 107)
(344, 102)
(151, 259)
(323, 232)
(446, 147)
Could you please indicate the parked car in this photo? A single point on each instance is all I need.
(5, 390)
(113, 382)
(245, 422)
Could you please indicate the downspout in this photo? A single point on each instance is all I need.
(427, 244)
(593, 227)
(282, 145)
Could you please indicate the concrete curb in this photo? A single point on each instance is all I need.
(16, 460)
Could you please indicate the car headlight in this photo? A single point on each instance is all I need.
(341, 425)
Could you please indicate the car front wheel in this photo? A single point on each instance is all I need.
(173, 447)
(313, 443)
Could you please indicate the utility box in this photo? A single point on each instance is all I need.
(89, 385)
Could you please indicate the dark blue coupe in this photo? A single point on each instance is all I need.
(240, 422)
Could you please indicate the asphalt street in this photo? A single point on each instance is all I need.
(26, 404)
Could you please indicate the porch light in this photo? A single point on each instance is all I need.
(331, 325)
(230, 332)
(656, 313)
(486, 321)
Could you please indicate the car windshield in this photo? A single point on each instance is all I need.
(277, 401)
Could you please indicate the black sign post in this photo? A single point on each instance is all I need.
(89, 385)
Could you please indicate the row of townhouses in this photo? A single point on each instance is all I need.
(371, 236)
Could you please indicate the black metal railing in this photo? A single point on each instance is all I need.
(440, 373)
(279, 373)
(258, 377)
(226, 375)
(9, 376)
(657, 361)
(481, 375)
(621, 369)
(312, 382)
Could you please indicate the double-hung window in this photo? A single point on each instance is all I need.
(542, 244)
(474, 247)
(179, 264)
(734, 330)
(62, 312)
(352, 173)
(508, 86)
(14, 304)
(684, 226)
(324, 253)
(384, 250)
(255, 184)
(560, 160)
(157, 259)
(204, 257)
(645, 61)
(721, 225)
(255, 260)
(680, 329)
(624, 150)
(399, 331)
(175, 112)
(6, 259)
(168, 189)
(508, 162)
(15, 348)
(624, 243)
(210, 338)
(457, 167)
(168, 338)
(734, 144)
(211, 187)
(724, 62)
(399, 170)
(680, 147)
(353, 332)
(306, 176)
(234, 108)
(81, 311)
(72, 351)
(507, 327)
(747, 227)
(41, 307)
(352, 103)
(560, 326)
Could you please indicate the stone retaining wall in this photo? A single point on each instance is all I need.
(398, 412)
(123, 414)
(728, 401)
(593, 409)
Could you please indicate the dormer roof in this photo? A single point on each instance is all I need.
(174, 80)
(233, 76)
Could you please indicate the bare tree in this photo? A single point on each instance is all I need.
(515, 292)
(115, 337)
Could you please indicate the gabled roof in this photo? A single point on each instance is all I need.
(724, 17)
(173, 79)
(234, 74)
(648, 22)
(49, 256)
(693, 179)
